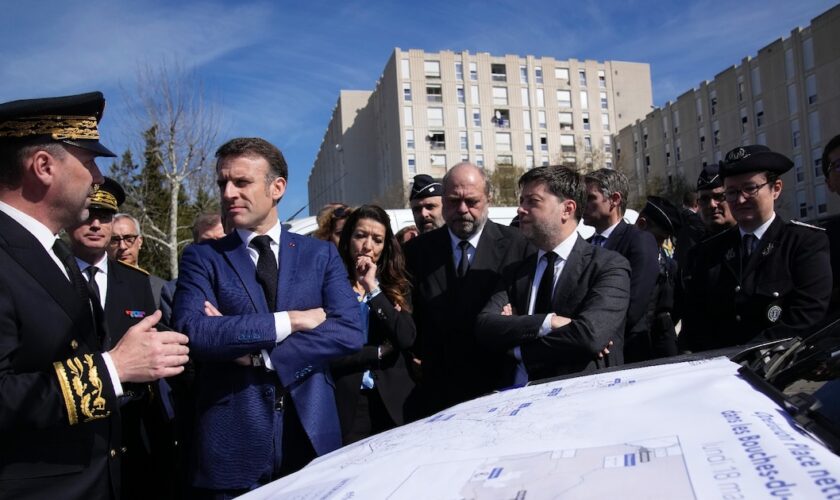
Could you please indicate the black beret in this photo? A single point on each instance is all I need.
(664, 213)
(70, 119)
(755, 158)
(108, 196)
(425, 186)
(709, 177)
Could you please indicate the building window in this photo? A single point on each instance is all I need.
(676, 118)
(463, 141)
(566, 120)
(476, 113)
(715, 134)
(713, 102)
(459, 72)
(811, 89)
(793, 99)
(525, 100)
(819, 194)
(605, 122)
(678, 150)
(434, 117)
(790, 68)
(404, 69)
(602, 79)
(814, 127)
(408, 118)
(587, 143)
(434, 93)
(802, 203)
(603, 97)
(431, 69)
(526, 119)
(409, 139)
(759, 113)
(582, 77)
(744, 120)
(474, 95)
(407, 92)
(564, 98)
(477, 140)
(795, 134)
(562, 75)
(584, 99)
(504, 160)
(538, 75)
(479, 160)
(501, 118)
(797, 168)
(529, 162)
(529, 142)
(607, 144)
(498, 72)
(502, 141)
(567, 143)
(439, 161)
(459, 93)
(462, 118)
(808, 54)
(541, 119)
(740, 90)
(500, 96)
(755, 76)
(586, 125)
(540, 98)
(544, 161)
(412, 164)
(474, 71)
(437, 140)
(543, 142)
(816, 155)
(523, 74)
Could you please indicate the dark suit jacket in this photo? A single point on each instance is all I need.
(233, 439)
(593, 290)
(455, 367)
(783, 291)
(641, 250)
(58, 410)
(390, 375)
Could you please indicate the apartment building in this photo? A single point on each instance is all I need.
(787, 97)
(430, 111)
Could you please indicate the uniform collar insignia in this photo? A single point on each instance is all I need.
(767, 250)
(730, 254)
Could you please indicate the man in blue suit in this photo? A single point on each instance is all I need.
(265, 310)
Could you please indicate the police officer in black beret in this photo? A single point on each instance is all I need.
(426, 201)
(60, 381)
(762, 279)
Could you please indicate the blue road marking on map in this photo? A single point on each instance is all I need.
(555, 391)
(496, 472)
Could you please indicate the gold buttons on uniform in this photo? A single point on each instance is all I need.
(776, 295)
(113, 453)
(737, 288)
(74, 345)
(124, 449)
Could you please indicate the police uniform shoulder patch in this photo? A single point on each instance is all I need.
(803, 224)
(135, 268)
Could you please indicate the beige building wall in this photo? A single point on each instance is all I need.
(430, 111)
(786, 97)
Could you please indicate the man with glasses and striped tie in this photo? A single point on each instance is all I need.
(763, 279)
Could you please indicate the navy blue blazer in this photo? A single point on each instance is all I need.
(234, 420)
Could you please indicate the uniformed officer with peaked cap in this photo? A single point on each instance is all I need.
(763, 279)
(59, 385)
(426, 201)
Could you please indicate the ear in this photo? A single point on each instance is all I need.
(615, 199)
(278, 189)
(776, 189)
(43, 167)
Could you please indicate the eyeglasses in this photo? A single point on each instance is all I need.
(129, 239)
(707, 198)
(748, 191)
(103, 216)
(341, 213)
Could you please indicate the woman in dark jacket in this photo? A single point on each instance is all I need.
(373, 385)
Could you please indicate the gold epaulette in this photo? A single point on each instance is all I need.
(130, 266)
(82, 389)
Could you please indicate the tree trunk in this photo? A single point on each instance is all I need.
(173, 227)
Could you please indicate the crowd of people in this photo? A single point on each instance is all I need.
(273, 348)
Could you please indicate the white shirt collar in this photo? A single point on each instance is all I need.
(41, 232)
(760, 230)
(248, 235)
(472, 239)
(101, 264)
(608, 231)
(564, 248)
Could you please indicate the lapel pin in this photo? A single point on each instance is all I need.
(291, 244)
(730, 254)
(135, 314)
(767, 250)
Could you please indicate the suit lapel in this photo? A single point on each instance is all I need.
(443, 273)
(236, 252)
(764, 249)
(491, 247)
(286, 267)
(732, 254)
(572, 271)
(616, 235)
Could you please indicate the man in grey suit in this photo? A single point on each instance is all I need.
(557, 312)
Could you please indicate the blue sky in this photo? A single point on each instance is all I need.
(275, 68)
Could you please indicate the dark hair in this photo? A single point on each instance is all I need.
(204, 222)
(562, 181)
(13, 152)
(393, 279)
(255, 146)
(610, 181)
(833, 144)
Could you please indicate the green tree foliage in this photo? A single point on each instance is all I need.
(504, 186)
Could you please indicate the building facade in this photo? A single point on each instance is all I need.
(787, 97)
(430, 111)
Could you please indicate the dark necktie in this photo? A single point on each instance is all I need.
(62, 251)
(464, 263)
(266, 269)
(543, 303)
(94, 288)
(747, 245)
(598, 240)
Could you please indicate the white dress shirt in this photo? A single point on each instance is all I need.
(456, 250)
(101, 276)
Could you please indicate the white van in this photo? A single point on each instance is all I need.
(402, 217)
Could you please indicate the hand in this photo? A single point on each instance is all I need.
(306, 320)
(507, 310)
(605, 351)
(144, 354)
(366, 272)
(210, 310)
